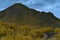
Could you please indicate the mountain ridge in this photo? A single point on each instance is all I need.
(21, 14)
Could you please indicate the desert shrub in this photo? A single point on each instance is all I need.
(39, 34)
(2, 35)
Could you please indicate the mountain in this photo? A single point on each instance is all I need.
(19, 22)
(22, 15)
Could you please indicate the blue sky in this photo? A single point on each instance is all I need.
(41, 5)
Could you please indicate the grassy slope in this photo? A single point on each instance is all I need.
(9, 31)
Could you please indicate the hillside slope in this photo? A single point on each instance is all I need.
(18, 22)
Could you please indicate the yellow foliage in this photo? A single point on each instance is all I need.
(13, 31)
